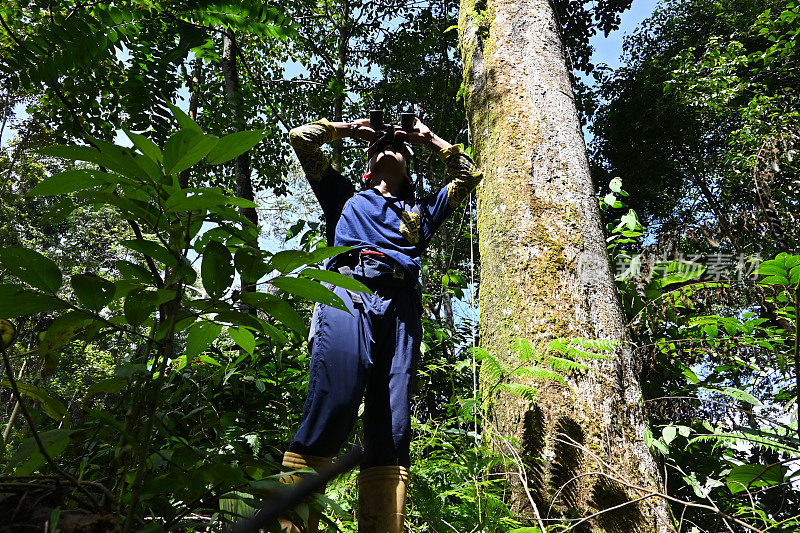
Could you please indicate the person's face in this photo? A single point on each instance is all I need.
(389, 161)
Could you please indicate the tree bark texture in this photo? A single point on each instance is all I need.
(244, 184)
(545, 273)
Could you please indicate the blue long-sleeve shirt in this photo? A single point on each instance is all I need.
(369, 220)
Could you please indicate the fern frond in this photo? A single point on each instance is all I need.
(491, 366)
(523, 391)
(537, 373)
(607, 345)
(579, 353)
(738, 438)
(561, 364)
(525, 349)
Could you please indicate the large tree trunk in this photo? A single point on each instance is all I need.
(545, 272)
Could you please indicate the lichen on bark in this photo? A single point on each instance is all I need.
(544, 270)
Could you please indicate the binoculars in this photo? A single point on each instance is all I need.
(376, 121)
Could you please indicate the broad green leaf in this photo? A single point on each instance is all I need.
(615, 185)
(678, 272)
(310, 290)
(335, 278)
(288, 260)
(55, 441)
(16, 300)
(52, 407)
(92, 291)
(237, 318)
(140, 303)
(669, 433)
(193, 199)
(69, 181)
(31, 267)
(185, 148)
(738, 394)
(111, 157)
(277, 309)
(251, 263)
(275, 334)
(243, 338)
(106, 386)
(320, 254)
(60, 332)
(151, 249)
(233, 145)
(775, 280)
(146, 146)
(216, 269)
(184, 120)
(200, 337)
(748, 477)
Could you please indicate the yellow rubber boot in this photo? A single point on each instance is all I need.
(296, 461)
(382, 499)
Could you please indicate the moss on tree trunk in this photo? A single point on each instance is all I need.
(545, 272)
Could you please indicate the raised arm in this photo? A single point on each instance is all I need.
(308, 139)
(464, 175)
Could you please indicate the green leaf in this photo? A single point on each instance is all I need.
(217, 269)
(678, 272)
(134, 272)
(69, 181)
(775, 280)
(310, 290)
(184, 120)
(55, 441)
(31, 267)
(275, 334)
(251, 263)
(146, 146)
(16, 300)
(151, 249)
(288, 260)
(192, 199)
(93, 292)
(738, 394)
(320, 254)
(669, 433)
(746, 477)
(111, 157)
(106, 386)
(140, 303)
(277, 309)
(615, 185)
(60, 332)
(243, 338)
(200, 337)
(52, 407)
(233, 145)
(185, 148)
(335, 278)
(240, 319)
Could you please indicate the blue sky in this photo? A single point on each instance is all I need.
(609, 49)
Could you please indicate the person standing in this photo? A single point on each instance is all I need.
(372, 351)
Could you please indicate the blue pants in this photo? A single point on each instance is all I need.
(372, 353)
